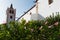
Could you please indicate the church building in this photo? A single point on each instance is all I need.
(32, 13)
(41, 9)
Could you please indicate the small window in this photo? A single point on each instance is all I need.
(30, 13)
(10, 17)
(50, 1)
(11, 11)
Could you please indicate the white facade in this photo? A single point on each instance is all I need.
(27, 16)
(31, 15)
(44, 9)
(11, 12)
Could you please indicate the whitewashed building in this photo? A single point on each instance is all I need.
(41, 9)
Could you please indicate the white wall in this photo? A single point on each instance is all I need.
(27, 16)
(44, 9)
(55, 7)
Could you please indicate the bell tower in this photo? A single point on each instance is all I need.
(11, 12)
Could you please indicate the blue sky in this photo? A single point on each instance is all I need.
(20, 5)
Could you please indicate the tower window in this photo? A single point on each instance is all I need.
(11, 11)
(50, 1)
(10, 17)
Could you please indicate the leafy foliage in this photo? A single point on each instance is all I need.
(48, 29)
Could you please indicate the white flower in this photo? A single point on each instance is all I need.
(24, 27)
(32, 30)
(40, 27)
(46, 22)
(56, 23)
(50, 26)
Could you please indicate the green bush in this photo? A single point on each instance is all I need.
(48, 29)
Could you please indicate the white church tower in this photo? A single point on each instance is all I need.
(11, 12)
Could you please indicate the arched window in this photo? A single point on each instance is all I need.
(11, 11)
(10, 17)
(50, 1)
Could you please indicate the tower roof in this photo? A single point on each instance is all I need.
(11, 6)
(35, 1)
